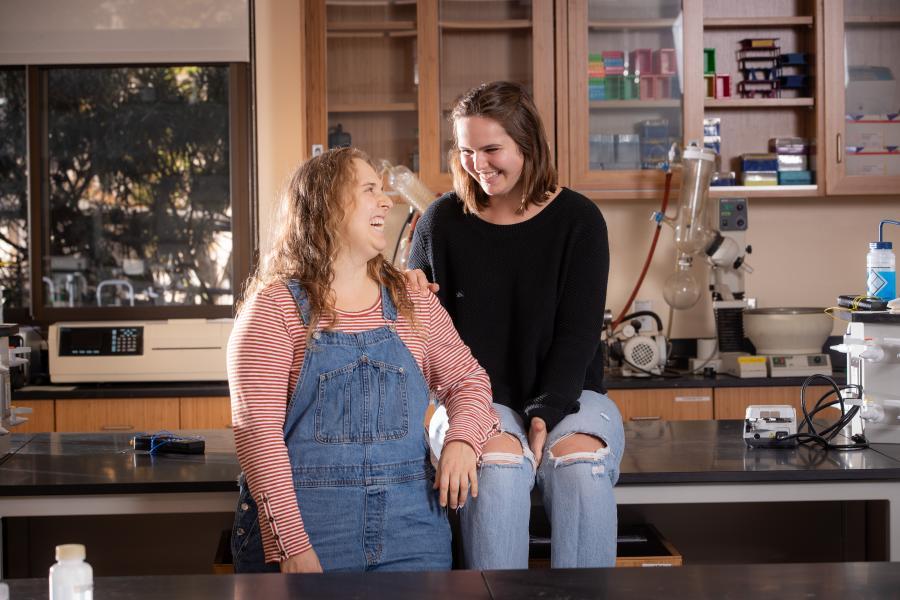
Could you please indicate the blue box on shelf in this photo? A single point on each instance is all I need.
(759, 162)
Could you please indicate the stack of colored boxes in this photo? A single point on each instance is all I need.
(655, 71)
(596, 77)
(758, 63)
(759, 169)
(718, 85)
(793, 161)
(648, 74)
(792, 73)
(614, 64)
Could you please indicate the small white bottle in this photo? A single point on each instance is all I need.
(881, 271)
(71, 578)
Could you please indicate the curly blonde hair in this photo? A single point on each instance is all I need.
(307, 239)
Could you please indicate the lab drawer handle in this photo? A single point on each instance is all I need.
(840, 148)
(646, 418)
(117, 427)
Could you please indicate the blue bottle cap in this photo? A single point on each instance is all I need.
(880, 245)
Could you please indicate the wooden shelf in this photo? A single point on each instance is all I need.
(759, 102)
(486, 25)
(373, 107)
(367, 3)
(631, 24)
(764, 191)
(371, 25)
(756, 22)
(371, 29)
(873, 20)
(615, 104)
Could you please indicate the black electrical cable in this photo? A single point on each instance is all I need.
(823, 438)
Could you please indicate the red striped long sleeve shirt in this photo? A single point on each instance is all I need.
(265, 355)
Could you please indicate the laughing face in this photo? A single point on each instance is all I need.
(362, 230)
(490, 156)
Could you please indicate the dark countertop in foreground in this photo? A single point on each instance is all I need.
(657, 452)
(220, 388)
(822, 580)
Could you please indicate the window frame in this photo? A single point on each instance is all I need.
(243, 200)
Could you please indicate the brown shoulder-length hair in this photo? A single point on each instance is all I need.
(510, 105)
(306, 238)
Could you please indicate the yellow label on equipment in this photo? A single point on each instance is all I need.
(751, 360)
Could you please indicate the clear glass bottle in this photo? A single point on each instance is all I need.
(71, 578)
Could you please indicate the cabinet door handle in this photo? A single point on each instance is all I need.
(117, 427)
(840, 148)
(657, 418)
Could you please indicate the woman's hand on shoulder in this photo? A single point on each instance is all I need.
(457, 474)
(305, 562)
(417, 281)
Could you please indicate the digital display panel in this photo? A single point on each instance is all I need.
(101, 341)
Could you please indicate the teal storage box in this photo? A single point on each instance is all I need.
(795, 178)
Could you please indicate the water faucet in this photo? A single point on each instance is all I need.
(118, 283)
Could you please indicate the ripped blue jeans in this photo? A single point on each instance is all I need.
(577, 491)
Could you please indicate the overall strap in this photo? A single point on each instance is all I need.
(301, 298)
(388, 310)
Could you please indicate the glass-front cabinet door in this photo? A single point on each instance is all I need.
(365, 53)
(626, 86)
(472, 42)
(863, 54)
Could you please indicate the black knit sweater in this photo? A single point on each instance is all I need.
(528, 298)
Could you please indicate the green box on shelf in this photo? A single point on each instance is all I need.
(614, 87)
(630, 88)
(709, 61)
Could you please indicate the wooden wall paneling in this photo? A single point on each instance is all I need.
(212, 412)
(42, 418)
(669, 404)
(117, 414)
(731, 403)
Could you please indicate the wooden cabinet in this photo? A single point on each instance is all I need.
(205, 412)
(732, 403)
(862, 63)
(114, 414)
(42, 418)
(388, 72)
(680, 404)
(624, 100)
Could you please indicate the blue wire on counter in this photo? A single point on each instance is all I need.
(163, 437)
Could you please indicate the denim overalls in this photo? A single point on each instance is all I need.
(354, 432)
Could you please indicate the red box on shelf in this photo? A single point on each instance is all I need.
(723, 86)
(641, 61)
(647, 87)
(664, 61)
(662, 87)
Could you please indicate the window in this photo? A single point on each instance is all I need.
(14, 280)
(142, 196)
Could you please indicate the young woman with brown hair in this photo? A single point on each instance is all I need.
(521, 265)
(330, 366)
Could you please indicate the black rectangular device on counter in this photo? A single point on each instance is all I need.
(168, 444)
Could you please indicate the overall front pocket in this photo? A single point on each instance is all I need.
(364, 401)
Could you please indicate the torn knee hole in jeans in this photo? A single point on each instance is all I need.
(501, 458)
(596, 457)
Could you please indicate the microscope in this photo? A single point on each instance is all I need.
(714, 230)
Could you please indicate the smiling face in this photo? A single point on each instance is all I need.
(490, 156)
(362, 230)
